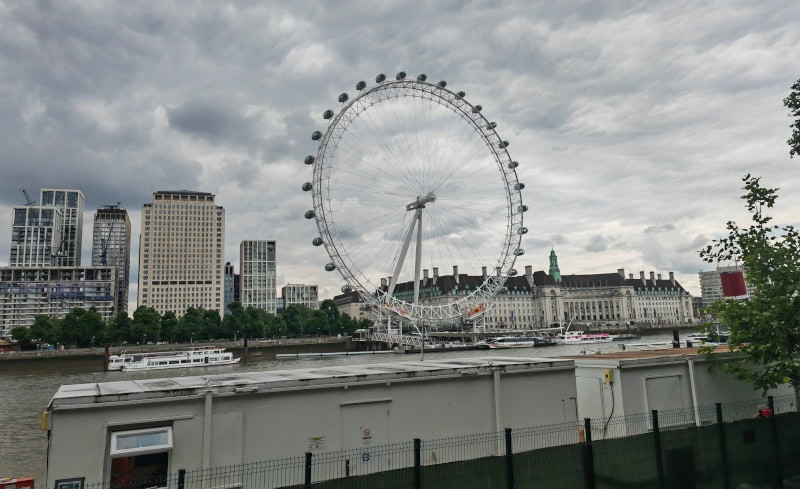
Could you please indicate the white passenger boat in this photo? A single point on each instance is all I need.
(207, 356)
(580, 338)
(517, 342)
(116, 362)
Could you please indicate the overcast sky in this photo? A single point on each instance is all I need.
(633, 122)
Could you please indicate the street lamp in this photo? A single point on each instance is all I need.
(191, 338)
(234, 336)
(92, 341)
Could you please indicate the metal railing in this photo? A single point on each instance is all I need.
(755, 442)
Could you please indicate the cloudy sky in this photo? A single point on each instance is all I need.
(633, 122)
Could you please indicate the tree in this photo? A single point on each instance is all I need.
(190, 326)
(296, 317)
(119, 329)
(146, 325)
(22, 335)
(331, 311)
(169, 326)
(765, 328)
(792, 102)
(45, 329)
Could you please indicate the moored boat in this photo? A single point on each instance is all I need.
(579, 338)
(517, 342)
(206, 356)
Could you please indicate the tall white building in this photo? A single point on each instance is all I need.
(257, 274)
(181, 263)
(111, 246)
(306, 295)
(70, 203)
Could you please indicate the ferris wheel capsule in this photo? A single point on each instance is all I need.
(422, 77)
(346, 289)
(361, 85)
(327, 114)
(317, 241)
(309, 214)
(380, 78)
(330, 267)
(513, 164)
(343, 97)
(523, 208)
(401, 75)
(307, 186)
(512, 272)
(442, 84)
(504, 144)
(491, 125)
(309, 160)
(316, 135)
(460, 95)
(519, 252)
(519, 186)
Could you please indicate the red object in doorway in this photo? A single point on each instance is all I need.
(18, 483)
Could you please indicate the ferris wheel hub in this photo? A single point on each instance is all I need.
(421, 201)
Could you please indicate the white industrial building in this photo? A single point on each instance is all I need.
(161, 425)
(677, 381)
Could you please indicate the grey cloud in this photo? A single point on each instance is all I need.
(659, 228)
(596, 244)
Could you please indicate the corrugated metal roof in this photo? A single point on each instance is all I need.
(265, 381)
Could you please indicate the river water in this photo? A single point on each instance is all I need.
(27, 387)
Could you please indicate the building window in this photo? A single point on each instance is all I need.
(140, 458)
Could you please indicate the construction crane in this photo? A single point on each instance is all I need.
(28, 200)
(104, 241)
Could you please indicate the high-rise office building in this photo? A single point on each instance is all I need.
(229, 277)
(181, 252)
(35, 236)
(70, 203)
(306, 295)
(111, 246)
(257, 264)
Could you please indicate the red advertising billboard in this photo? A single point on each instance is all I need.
(733, 286)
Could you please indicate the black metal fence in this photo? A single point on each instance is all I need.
(753, 444)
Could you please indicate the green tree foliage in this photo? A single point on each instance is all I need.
(190, 326)
(297, 318)
(169, 326)
(211, 324)
(119, 328)
(235, 320)
(83, 327)
(766, 327)
(330, 317)
(792, 102)
(45, 329)
(146, 325)
(22, 335)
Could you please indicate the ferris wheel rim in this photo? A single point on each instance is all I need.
(336, 248)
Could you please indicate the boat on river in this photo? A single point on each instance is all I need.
(205, 356)
(503, 342)
(580, 338)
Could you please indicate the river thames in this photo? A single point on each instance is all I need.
(27, 387)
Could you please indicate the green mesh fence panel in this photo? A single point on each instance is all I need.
(789, 442)
(557, 467)
(759, 452)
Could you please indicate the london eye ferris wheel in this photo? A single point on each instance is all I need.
(408, 177)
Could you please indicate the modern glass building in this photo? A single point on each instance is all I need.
(70, 203)
(111, 246)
